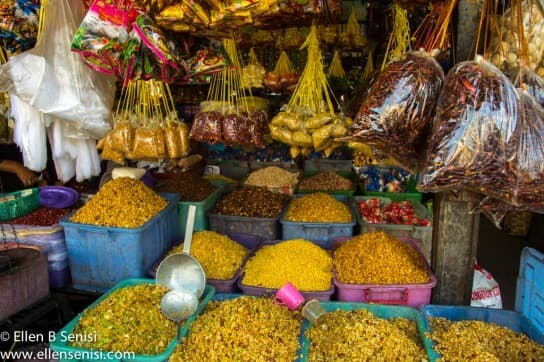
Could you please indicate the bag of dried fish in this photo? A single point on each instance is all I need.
(486, 137)
(398, 110)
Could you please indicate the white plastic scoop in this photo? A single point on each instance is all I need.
(182, 271)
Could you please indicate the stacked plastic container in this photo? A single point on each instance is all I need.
(52, 239)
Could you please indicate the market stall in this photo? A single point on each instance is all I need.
(271, 180)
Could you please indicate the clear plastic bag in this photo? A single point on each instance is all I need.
(148, 144)
(475, 133)
(55, 80)
(531, 84)
(121, 137)
(398, 110)
(207, 127)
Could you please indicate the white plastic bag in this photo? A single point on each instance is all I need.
(29, 134)
(55, 80)
(485, 289)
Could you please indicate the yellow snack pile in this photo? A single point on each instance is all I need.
(318, 207)
(122, 202)
(219, 255)
(378, 258)
(129, 320)
(272, 176)
(304, 264)
(241, 329)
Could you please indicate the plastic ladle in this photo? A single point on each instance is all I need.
(182, 271)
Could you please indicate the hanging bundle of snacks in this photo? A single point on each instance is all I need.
(337, 77)
(531, 84)
(352, 37)
(472, 138)
(253, 73)
(329, 34)
(293, 38)
(19, 24)
(309, 121)
(226, 117)
(284, 76)
(505, 43)
(146, 126)
(398, 110)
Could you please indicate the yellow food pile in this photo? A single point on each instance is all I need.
(129, 320)
(318, 207)
(304, 264)
(241, 329)
(378, 258)
(219, 255)
(481, 341)
(272, 176)
(123, 202)
(359, 336)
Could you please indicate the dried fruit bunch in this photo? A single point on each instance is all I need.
(123, 202)
(298, 261)
(473, 340)
(360, 336)
(318, 207)
(128, 320)
(251, 201)
(241, 329)
(378, 258)
(220, 256)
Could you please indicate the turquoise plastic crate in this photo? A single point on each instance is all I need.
(101, 257)
(424, 234)
(228, 296)
(379, 311)
(349, 175)
(527, 318)
(202, 208)
(320, 233)
(60, 345)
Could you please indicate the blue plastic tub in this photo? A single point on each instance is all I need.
(228, 296)
(101, 257)
(61, 346)
(320, 233)
(528, 317)
(379, 311)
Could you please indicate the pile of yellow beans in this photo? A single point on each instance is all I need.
(318, 207)
(301, 262)
(122, 202)
(378, 258)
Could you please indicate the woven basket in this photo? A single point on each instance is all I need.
(19, 203)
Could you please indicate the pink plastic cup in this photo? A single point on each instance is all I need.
(289, 296)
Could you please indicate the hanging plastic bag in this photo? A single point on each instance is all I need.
(55, 81)
(485, 290)
(29, 134)
(398, 110)
(103, 36)
(252, 75)
(531, 84)
(505, 44)
(472, 133)
(207, 127)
